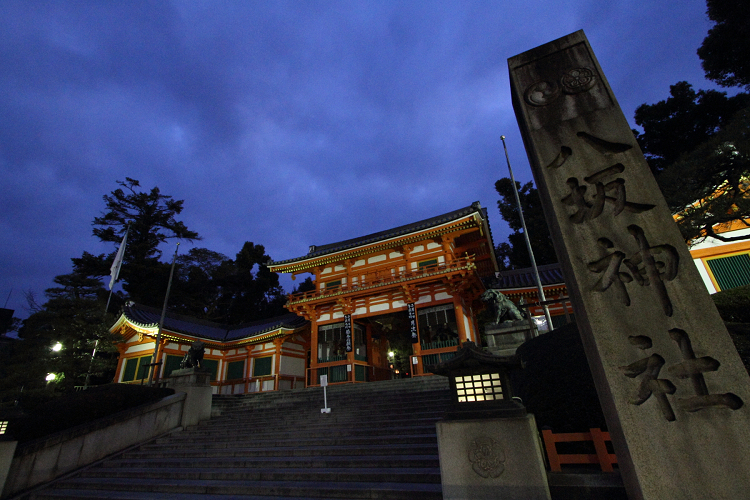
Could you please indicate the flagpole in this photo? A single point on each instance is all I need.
(114, 273)
(161, 320)
(540, 289)
(116, 265)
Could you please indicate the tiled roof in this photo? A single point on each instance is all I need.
(550, 274)
(178, 323)
(318, 251)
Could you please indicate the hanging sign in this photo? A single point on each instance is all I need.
(413, 322)
(348, 331)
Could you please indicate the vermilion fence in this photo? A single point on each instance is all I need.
(602, 457)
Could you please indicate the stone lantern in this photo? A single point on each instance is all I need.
(488, 444)
(480, 384)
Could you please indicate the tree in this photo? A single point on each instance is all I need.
(306, 286)
(514, 254)
(725, 52)
(252, 292)
(199, 283)
(709, 187)
(209, 285)
(152, 220)
(695, 144)
(683, 121)
(74, 317)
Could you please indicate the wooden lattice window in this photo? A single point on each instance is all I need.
(732, 271)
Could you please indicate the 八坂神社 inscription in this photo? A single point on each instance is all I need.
(662, 360)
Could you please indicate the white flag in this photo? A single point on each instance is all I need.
(115, 269)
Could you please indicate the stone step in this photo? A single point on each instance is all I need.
(291, 451)
(352, 405)
(315, 489)
(229, 433)
(399, 461)
(379, 441)
(67, 494)
(363, 474)
(404, 439)
(331, 420)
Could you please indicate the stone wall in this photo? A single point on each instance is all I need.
(45, 459)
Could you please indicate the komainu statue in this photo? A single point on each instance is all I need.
(194, 357)
(501, 307)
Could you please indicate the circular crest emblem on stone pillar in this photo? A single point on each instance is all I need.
(578, 80)
(541, 93)
(487, 457)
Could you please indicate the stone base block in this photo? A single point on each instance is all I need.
(196, 384)
(492, 459)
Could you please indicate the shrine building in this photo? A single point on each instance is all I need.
(412, 289)
(263, 355)
(385, 305)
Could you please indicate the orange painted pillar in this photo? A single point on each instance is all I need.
(459, 310)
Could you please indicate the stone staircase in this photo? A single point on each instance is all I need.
(378, 441)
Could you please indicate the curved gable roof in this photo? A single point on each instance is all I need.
(319, 251)
(148, 317)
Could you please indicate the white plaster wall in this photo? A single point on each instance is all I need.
(398, 303)
(376, 258)
(360, 310)
(704, 275)
(293, 347)
(380, 307)
(339, 268)
(443, 295)
(292, 366)
(469, 331)
(424, 299)
(324, 317)
(432, 245)
(713, 242)
(337, 315)
(141, 348)
(360, 262)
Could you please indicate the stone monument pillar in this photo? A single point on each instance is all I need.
(672, 386)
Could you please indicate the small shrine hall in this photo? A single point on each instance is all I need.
(385, 305)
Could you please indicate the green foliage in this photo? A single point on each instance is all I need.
(725, 52)
(211, 286)
(514, 254)
(151, 217)
(733, 304)
(45, 416)
(681, 122)
(306, 286)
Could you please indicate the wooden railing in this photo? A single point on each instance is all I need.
(602, 457)
(383, 277)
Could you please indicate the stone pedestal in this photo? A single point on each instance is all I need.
(196, 384)
(7, 449)
(491, 459)
(504, 338)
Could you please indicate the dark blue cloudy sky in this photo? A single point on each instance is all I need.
(284, 123)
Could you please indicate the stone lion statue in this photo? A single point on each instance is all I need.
(194, 357)
(501, 307)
